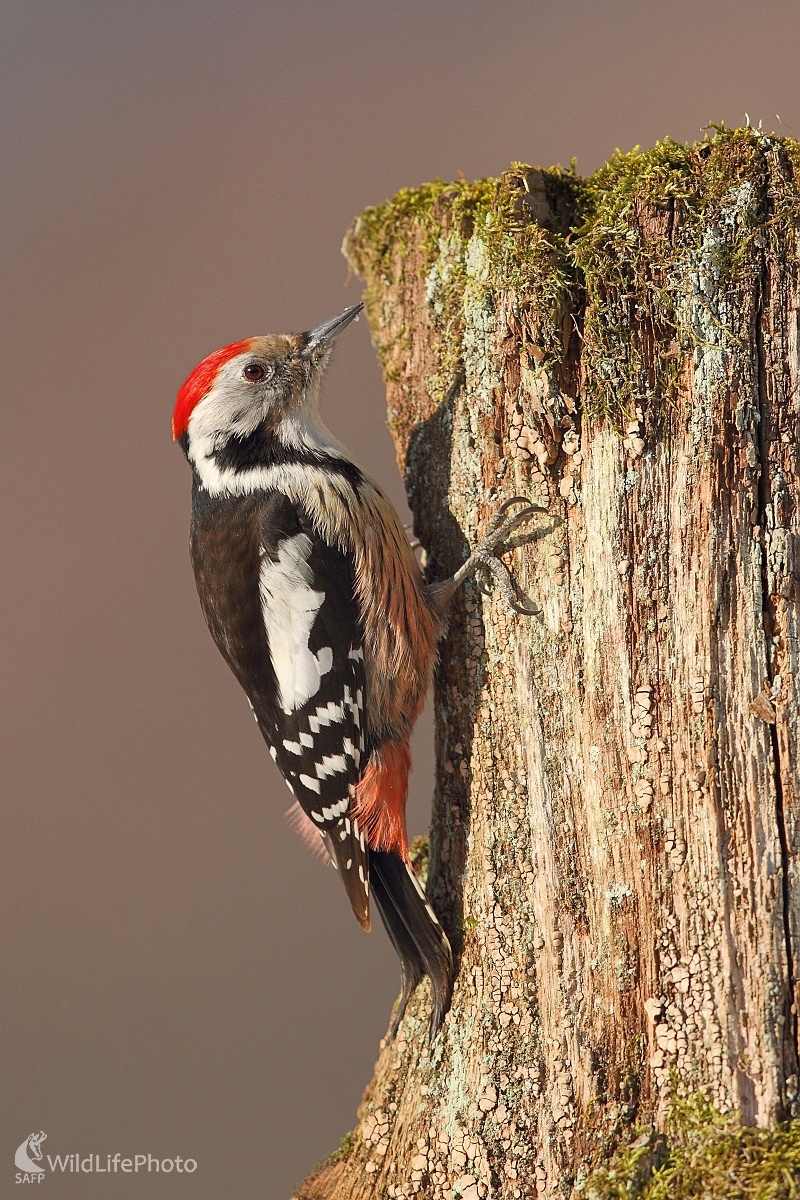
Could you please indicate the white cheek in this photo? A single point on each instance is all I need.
(224, 412)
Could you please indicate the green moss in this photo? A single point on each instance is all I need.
(374, 238)
(342, 1151)
(637, 253)
(664, 229)
(345, 1146)
(418, 853)
(475, 243)
(704, 1154)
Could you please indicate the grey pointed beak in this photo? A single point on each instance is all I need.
(328, 331)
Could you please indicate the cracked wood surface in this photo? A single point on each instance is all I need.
(617, 808)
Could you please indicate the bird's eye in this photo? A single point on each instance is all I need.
(254, 372)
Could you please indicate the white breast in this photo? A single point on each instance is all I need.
(290, 605)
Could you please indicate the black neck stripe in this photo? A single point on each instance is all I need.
(263, 449)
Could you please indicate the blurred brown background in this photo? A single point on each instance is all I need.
(180, 977)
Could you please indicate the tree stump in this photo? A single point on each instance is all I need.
(616, 819)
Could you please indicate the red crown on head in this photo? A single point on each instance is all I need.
(200, 383)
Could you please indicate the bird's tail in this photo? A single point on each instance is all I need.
(417, 936)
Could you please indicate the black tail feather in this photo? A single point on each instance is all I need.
(416, 935)
(412, 967)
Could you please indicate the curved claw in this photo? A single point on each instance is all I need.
(506, 505)
(500, 526)
(497, 519)
(520, 518)
(506, 583)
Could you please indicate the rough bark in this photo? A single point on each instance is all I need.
(617, 810)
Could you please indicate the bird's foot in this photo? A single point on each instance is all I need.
(501, 526)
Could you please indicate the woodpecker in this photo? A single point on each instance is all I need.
(313, 595)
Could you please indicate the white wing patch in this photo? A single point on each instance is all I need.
(289, 605)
